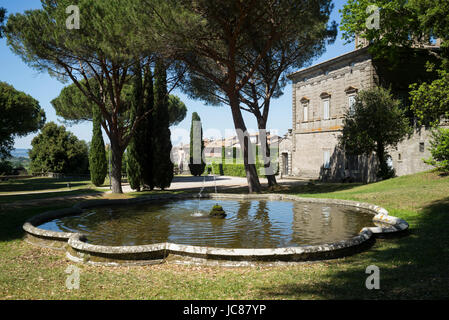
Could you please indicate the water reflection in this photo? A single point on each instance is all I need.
(327, 223)
(249, 224)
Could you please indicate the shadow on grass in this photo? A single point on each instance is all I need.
(13, 216)
(7, 199)
(317, 188)
(37, 184)
(11, 221)
(412, 267)
(293, 187)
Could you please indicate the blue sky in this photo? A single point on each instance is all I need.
(214, 119)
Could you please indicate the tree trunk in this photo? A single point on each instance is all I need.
(116, 167)
(266, 157)
(383, 167)
(239, 124)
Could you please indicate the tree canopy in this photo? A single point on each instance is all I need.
(401, 22)
(57, 150)
(21, 114)
(407, 24)
(74, 106)
(430, 101)
(2, 18)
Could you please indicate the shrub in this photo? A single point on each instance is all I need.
(233, 170)
(5, 168)
(439, 149)
(98, 166)
(196, 169)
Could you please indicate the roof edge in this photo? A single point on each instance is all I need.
(326, 62)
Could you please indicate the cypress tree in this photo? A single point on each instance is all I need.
(139, 151)
(162, 166)
(97, 154)
(133, 155)
(147, 131)
(198, 168)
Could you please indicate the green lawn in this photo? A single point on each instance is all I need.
(25, 190)
(411, 267)
(40, 184)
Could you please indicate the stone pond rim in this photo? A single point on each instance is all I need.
(78, 250)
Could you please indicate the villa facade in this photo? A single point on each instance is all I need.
(321, 96)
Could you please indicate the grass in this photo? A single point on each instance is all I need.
(411, 267)
(31, 189)
(40, 184)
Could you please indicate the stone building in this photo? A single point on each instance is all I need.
(322, 94)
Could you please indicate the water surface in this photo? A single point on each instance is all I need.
(249, 224)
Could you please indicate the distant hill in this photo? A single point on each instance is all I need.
(17, 153)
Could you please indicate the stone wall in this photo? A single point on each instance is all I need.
(407, 156)
(285, 151)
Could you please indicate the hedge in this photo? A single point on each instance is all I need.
(234, 170)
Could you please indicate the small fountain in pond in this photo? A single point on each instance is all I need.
(198, 213)
(219, 212)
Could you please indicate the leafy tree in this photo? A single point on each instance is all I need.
(75, 107)
(6, 168)
(214, 41)
(97, 153)
(286, 55)
(430, 101)
(20, 115)
(2, 18)
(160, 139)
(439, 149)
(96, 58)
(375, 123)
(289, 53)
(56, 150)
(196, 169)
(407, 24)
(177, 110)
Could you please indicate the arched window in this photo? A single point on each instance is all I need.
(351, 93)
(305, 109)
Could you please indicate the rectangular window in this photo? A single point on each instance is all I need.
(305, 112)
(326, 159)
(421, 147)
(326, 109)
(351, 102)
